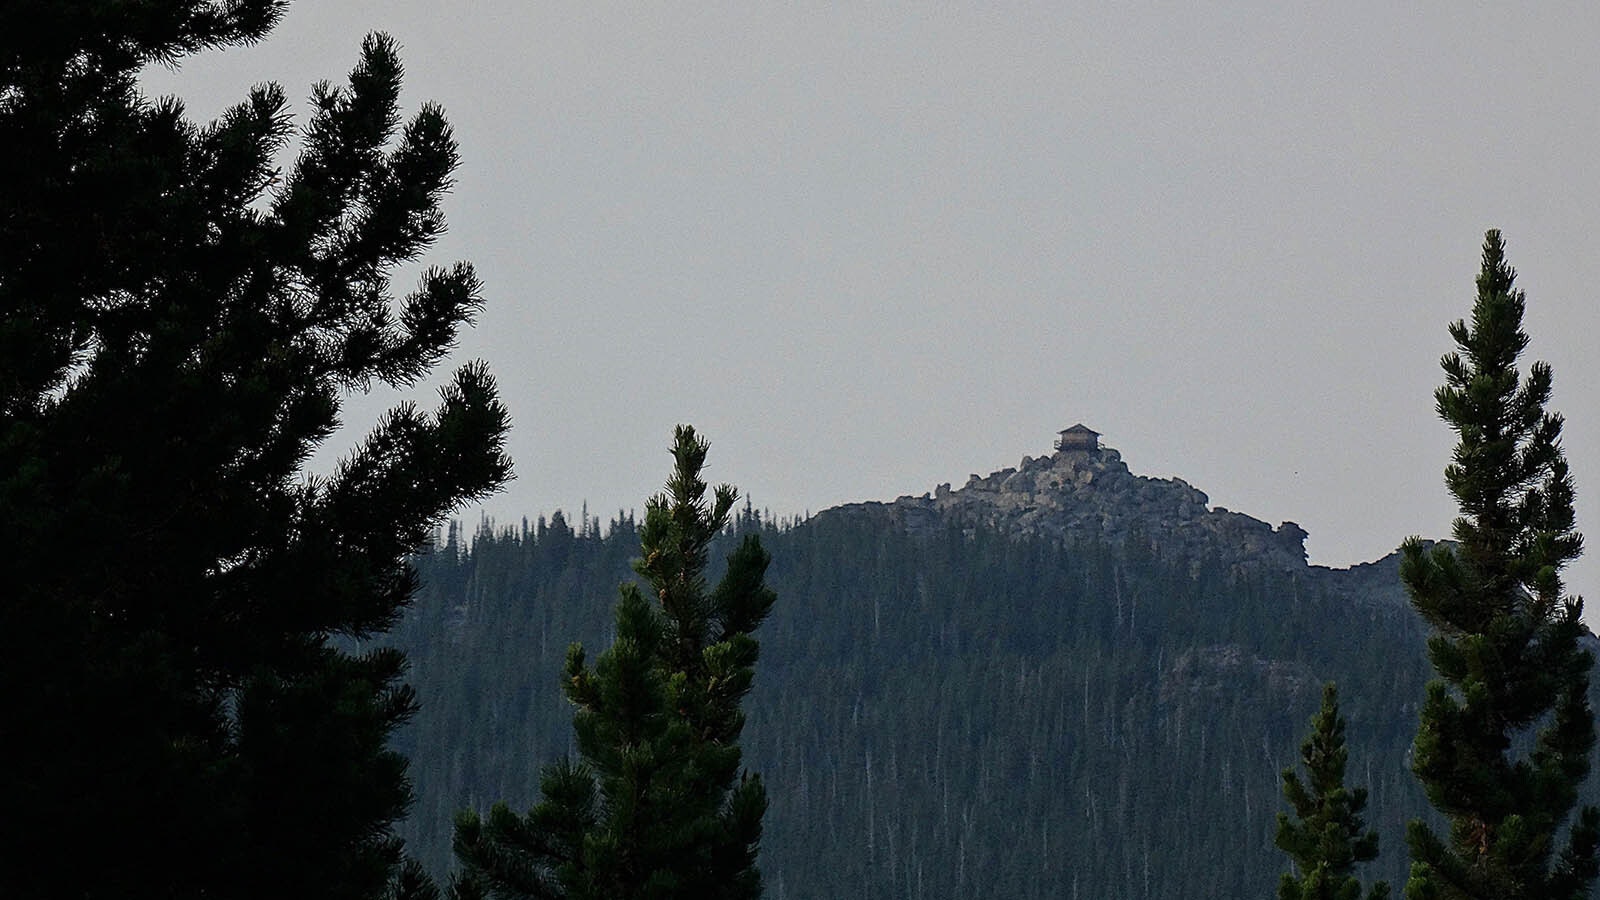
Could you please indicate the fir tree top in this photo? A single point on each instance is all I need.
(1506, 637)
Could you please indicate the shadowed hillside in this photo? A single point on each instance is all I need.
(950, 705)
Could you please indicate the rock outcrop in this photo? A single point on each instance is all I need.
(1090, 495)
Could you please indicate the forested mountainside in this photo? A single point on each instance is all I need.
(948, 705)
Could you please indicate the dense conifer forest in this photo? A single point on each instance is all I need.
(955, 714)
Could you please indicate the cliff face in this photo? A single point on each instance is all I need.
(1091, 495)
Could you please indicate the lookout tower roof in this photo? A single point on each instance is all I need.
(1078, 437)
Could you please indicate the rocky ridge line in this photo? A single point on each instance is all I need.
(1091, 495)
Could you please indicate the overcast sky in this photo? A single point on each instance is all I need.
(871, 248)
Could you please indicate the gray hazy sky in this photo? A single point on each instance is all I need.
(871, 248)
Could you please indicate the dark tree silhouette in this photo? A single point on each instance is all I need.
(179, 322)
(657, 806)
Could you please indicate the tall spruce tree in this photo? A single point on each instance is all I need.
(1506, 730)
(1327, 837)
(657, 807)
(179, 323)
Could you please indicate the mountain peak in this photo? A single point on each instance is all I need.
(1085, 492)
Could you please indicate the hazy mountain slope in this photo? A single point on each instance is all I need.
(953, 704)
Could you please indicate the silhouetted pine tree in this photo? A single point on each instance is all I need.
(657, 806)
(1506, 637)
(179, 323)
(1328, 836)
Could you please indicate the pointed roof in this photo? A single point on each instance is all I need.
(1080, 428)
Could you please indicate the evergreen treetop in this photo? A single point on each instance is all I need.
(1505, 645)
(1328, 836)
(657, 807)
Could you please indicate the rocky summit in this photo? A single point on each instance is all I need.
(1087, 493)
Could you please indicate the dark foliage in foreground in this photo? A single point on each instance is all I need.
(179, 321)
